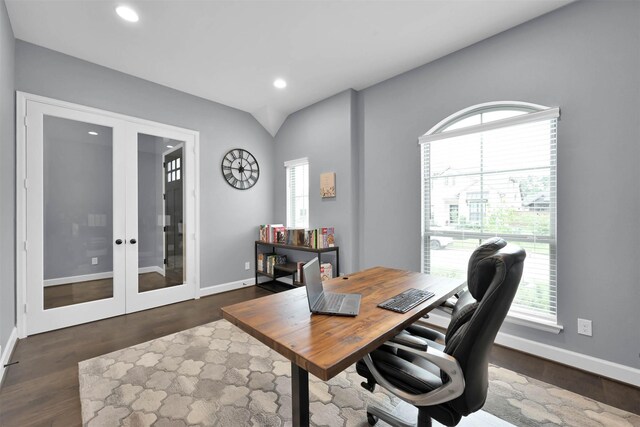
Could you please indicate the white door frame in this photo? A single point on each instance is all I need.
(137, 125)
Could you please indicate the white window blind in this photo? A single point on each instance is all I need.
(297, 173)
(493, 173)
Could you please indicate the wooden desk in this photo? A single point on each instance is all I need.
(326, 345)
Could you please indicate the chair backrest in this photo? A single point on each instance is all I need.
(493, 276)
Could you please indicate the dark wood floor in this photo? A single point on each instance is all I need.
(93, 290)
(42, 390)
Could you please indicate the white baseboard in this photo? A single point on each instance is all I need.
(152, 269)
(97, 276)
(8, 350)
(225, 287)
(615, 371)
(76, 279)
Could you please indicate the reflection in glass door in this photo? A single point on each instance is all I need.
(160, 213)
(78, 212)
(174, 216)
(107, 215)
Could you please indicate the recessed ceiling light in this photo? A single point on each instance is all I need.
(169, 146)
(93, 133)
(126, 13)
(280, 83)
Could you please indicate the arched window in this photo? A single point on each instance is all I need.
(490, 170)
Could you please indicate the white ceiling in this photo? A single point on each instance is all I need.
(231, 51)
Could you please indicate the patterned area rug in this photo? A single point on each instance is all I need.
(216, 374)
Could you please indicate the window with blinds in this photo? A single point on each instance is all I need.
(490, 170)
(297, 172)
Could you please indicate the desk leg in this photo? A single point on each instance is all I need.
(299, 395)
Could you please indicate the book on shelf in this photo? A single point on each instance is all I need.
(299, 277)
(260, 262)
(273, 260)
(266, 233)
(326, 271)
(310, 238)
(281, 236)
(317, 238)
(295, 236)
(326, 237)
(278, 234)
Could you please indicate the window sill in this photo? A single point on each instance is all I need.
(541, 325)
(514, 319)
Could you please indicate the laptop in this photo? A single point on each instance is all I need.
(321, 302)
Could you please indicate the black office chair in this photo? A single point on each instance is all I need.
(446, 376)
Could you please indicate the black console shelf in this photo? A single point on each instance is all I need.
(289, 269)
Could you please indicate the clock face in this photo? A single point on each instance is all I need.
(240, 169)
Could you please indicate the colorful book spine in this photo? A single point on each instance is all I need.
(326, 271)
(266, 232)
(310, 238)
(328, 237)
(299, 277)
(281, 236)
(260, 264)
(262, 233)
(274, 234)
(295, 236)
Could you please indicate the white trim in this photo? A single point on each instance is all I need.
(97, 276)
(22, 98)
(548, 114)
(151, 269)
(296, 162)
(533, 322)
(77, 279)
(25, 96)
(615, 371)
(196, 213)
(225, 287)
(21, 214)
(8, 350)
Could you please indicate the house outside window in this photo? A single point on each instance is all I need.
(490, 170)
(453, 214)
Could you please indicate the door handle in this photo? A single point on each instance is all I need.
(133, 241)
(119, 242)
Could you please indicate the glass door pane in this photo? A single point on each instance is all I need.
(78, 212)
(160, 213)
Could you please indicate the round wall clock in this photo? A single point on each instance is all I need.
(240, 169)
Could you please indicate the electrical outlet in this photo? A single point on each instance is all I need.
(94, 260)
(584, 327)
(247, 265)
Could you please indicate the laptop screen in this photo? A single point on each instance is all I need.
(312, 281)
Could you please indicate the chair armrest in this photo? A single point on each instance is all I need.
(449, 390)
(410, 341)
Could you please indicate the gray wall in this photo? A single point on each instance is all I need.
(229, 218)
(78, 203)
(584, 58)
(323, 133)
(7, 179)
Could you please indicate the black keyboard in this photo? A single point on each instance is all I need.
(406, 300)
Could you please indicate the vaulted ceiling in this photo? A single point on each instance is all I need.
(232, 51)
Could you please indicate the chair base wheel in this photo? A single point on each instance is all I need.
(369, 386)
(371, 419)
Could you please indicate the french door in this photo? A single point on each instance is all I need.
(95, 220)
